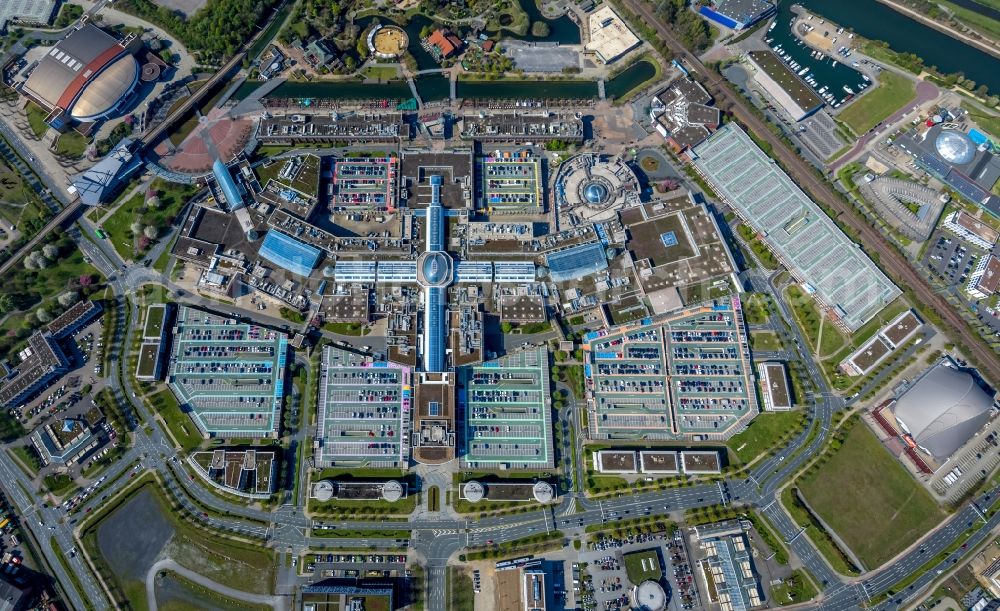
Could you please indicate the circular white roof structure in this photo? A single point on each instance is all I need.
(323, 490)
(955, 147)
(943, 410)
(473, 491)
(392, 491)
(650, 596)
(543, 492)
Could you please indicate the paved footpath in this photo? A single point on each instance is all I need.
(167, 564)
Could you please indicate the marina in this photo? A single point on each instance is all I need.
(876, 21)
(828, 74)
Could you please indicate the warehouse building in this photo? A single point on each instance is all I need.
(737, 14)
(783, 86)
(610, 38)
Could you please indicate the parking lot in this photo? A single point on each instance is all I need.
(949, 261)
(702, 353)
(507, 420)
(363, 411)
(541, 57)
(351, 564)
(612, 590)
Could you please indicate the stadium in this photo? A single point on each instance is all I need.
(943, 410)
(87, 76)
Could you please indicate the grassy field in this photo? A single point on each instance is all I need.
(461, 596)
(19, 204)
(796, 589)
(886, 511)
(891, 94)
(988, 122)
(755, 308)
(382, 73)
(71, 145)
(634, 566)
(180, 424)
(980, 22)
(765, 341)
(118, 226)
(433, 499)
(36, 119)
(765, 432)
(345, 328)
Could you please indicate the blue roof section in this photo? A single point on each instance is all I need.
(434, 330)
(288, 253)
(435, 217)
(435, 229)
(227, 184)
(577, 262)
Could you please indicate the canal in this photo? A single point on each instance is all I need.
(629, 78)
(875, 21)
(527, 90)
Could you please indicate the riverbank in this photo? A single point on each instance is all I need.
(940, 27)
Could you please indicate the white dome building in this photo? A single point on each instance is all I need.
(955, 147)
(943, 410)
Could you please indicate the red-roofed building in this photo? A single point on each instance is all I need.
(445, 42)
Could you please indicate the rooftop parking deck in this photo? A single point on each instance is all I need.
(684, 376)
(365, 183)
(507, 418)
(803, 237)
(510, 185)
(364, 411)
(228, 375)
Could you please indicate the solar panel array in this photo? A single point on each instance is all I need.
(805, 239)
(576, 262)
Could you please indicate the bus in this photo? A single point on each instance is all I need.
(100, 233)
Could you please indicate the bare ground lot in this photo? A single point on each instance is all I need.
(132, 537)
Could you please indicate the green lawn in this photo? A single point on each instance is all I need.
(886, 509)
(765, 432)
(988, 122)
(796, 589)
(765, 341)
(345, 328)
(637, 573)
(71, 145)
(755, 308)
(36, 119)
(180, 424)
(59, 485)
(134, 210)
(383, 73)
(892, 93)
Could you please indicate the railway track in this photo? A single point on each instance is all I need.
(889, 258)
